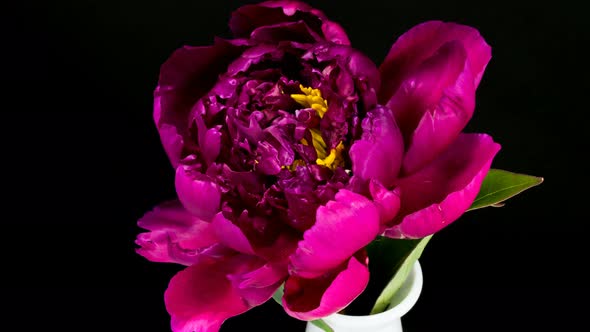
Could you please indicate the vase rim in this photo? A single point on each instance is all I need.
(415, 287)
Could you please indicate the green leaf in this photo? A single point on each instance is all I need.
(322, 325)
(278, 295)
(401, 256)
(500, 185)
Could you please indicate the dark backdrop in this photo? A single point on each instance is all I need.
(83, 162)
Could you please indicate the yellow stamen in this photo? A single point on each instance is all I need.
(334, 159)
(311, 98)
(293, 166)
(318, 143)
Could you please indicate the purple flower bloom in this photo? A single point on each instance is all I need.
(293, 151)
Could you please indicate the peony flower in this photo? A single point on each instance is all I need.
(293, 151)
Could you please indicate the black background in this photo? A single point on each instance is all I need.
(82, 162)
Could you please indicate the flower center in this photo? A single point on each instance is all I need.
(312, 98)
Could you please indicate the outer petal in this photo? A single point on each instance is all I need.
(433, 105)
(292, 31)
(343, 226)
(387, 201)
(175, 235)
(204, 295)
(252, 56)
(199, 194)
(248, 18)
(231, 235)
(209, 138)
(188, 74)
(440, 193)
(309, 299)
(378, 154)
(420, 43)
(356, 63)
(258, 286)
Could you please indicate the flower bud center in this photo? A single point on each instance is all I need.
(312, 98)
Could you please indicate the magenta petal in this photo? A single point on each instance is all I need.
(420, 43)
(172, 140)
(280, 249)
(175, 235)
(358, 65)
(197, 192)
(292, 31)
(201, 297)
(309, 299)
(343, 226)
(231, 235)
(188, 74)
(441, 192)
(335, 33)
(248, 18)
(209, 139)
(387, 201)
(423, 88)
(259, 285)
(378, 154)
(433, 105)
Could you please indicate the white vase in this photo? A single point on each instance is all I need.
(388, 321)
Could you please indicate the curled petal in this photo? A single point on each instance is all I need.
(259, 285)
(361, 66)
(441, 192)
(309, 299)
(278, 252)
(175, 236)
(343, 226)
(302, 207)
(188, 74)
(201, 297)
(422, 89)
(335, 33)
(420, 43)
(198, 193)
(354, 61)
(433, 105)
(302, 199)
(352, 74)
(245, 182)
(209, 139)
(293, 31)
(378, 154)
(252, 56)
(172, 140)
(387, 201)
(246, 19)
(231, 235)
(250, 129)
(268, 160)
(280, 137)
